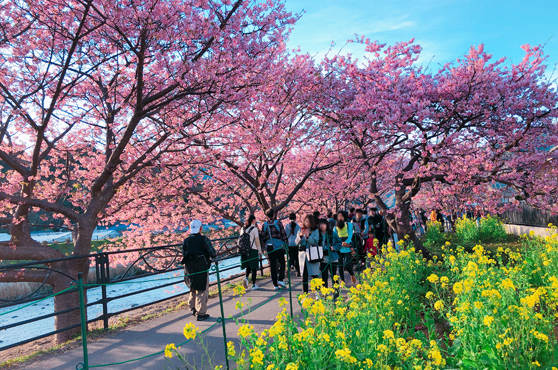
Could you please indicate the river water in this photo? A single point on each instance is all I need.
(26, 331)
(61, 237)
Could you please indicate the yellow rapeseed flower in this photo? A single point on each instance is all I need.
(345, 356)
(458, 288)
(230, 349)
(508, 284)
(316, 284)
(245, 330)
(388, 334)
(317, 308)
(433, 278)
(382, 348)
(257, 356)
(190, 331)
(540, 336)
(168, 350)
(239, 290)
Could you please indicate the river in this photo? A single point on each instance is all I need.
(36, 328)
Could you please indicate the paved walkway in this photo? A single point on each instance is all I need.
(152, 336)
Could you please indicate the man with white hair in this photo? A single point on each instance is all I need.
(198, 252)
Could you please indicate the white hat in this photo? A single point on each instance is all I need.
(195, 226)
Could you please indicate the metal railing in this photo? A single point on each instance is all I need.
(151, 262)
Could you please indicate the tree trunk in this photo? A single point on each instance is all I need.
(401, 223)
(71, 300)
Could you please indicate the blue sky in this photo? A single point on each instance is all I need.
(444, 28)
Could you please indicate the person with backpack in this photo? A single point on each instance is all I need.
(198, 252)
(250, 250)
(344, 231)
(275, 239)
(292, 230)
(331, 246)
(308, 238)
(360, 234)
(375, 221)
(385, 229)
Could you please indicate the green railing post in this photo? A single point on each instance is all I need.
(222, 313)
(290, 286)
(83, 319)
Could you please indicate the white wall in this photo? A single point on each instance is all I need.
(522, 229)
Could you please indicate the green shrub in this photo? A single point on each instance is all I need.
(491, 229)
(466, 230)
(433, 234)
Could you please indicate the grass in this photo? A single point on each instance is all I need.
(23, 359)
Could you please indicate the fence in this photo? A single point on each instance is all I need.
(159, 268)
(529, 216)
(226, 255)
(215, 269)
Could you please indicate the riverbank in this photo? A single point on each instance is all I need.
(43, 349)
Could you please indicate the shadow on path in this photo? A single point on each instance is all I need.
(152, 336)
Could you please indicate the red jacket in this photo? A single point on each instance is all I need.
(370, 247)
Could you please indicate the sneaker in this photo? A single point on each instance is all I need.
(193, 311)
(203, 317)
(255, 287)
(281, 283)
(277, 288)
(353, 279)
(245, 283)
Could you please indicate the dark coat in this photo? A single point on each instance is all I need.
(197, 253)
(376, 224)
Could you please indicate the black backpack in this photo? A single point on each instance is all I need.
(244, 243)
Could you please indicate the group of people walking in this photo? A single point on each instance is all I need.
(315, 247)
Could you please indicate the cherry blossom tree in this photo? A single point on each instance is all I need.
(265, 150)
(473, 122)
(338, 188)
(94, 93)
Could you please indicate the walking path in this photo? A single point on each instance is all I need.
(152, 336)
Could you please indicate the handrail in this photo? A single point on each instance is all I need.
(104, 300)
(69, 258)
